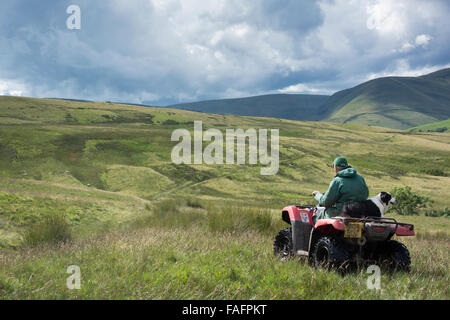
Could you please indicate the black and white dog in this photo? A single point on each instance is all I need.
(372, 207)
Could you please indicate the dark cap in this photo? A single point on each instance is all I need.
(340, 162)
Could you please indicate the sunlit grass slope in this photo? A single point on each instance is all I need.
(112, 159)
(440, 126)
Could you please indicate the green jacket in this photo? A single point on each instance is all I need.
(347, 186)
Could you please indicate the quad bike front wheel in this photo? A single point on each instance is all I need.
(282, 246)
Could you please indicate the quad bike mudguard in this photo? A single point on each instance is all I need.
(300, 219)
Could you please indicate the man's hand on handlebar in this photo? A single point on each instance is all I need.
(315, 192)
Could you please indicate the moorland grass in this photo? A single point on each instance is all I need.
(51, 229)
(181, 261)
(142, 227)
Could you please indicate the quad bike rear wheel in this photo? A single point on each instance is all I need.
(331, 253)
(282, 246)
(395, 255)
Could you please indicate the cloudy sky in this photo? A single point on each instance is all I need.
(167, 51)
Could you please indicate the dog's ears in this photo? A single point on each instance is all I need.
(385, 197)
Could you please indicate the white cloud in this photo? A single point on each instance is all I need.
(423, 40)
(11, 88)
(406, 47)
(403, 69)
(299, 88)
(387, 17)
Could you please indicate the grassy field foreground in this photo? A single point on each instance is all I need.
(201, 253)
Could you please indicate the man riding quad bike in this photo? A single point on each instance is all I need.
(347, 186)
(330, 237)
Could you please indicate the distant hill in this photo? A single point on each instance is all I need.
(440, 126)
(393, 102)
(285, 106)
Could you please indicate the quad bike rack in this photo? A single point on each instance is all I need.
(405, 228)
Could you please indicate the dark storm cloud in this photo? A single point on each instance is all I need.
(163, 51)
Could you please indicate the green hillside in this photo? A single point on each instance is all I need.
(440, 126)
(144, 228)
(393, 102)
(284, 106)
(83, 149)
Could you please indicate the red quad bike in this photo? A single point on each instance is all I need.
(341, 242)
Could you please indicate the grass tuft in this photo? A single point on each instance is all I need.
(169, 213)
(194, 203)
(52, 229)
(240, 219)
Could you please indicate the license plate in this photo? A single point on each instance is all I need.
(353, 230)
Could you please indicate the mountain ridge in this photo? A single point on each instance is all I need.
(286, 106)
(396, 102)
(393, 102)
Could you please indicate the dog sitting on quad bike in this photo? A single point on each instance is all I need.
(372, 207)
(360, 234)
